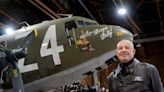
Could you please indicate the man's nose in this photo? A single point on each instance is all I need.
(123, 49)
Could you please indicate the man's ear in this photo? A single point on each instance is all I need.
(134, 51)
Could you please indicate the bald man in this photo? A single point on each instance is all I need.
(131, 75)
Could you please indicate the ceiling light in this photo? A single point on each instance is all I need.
(9, 31)
(122, 11)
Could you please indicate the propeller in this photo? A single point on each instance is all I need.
(11, 57)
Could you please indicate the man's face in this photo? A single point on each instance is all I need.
(125, 51)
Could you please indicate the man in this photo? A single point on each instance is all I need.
(131, 75)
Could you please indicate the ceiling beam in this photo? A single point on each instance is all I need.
(130, 22)
(36, 5)
(148, 21)
(151, 1)
(59, 5)
(47, 8)
(86, 10)
(101, 17)
(8, 16)
(95, 3)
(3, 26)
(139, 5)
(159, 15)
(149, 39)
(137, 29)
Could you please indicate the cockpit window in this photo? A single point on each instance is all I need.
(90, 23)
(80, 23)
(72, 24)
(69, 25)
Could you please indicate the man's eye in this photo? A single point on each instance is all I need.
(127, 47)
(119, 48)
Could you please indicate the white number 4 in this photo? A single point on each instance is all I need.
(54, 50)
(50, 37)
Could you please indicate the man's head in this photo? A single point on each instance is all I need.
(125, 51)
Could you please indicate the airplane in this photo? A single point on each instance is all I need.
(62, 50)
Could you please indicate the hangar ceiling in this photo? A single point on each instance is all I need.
(145, 17)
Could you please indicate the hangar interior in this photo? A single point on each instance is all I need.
(145, 19)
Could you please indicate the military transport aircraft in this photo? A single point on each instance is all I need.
(62, 50)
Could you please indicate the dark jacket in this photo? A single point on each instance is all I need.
(139, 77)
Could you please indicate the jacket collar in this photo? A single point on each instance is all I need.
(130, 66)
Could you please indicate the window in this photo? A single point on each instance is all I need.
(80, 23)
(69, 25)
(90, 23)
